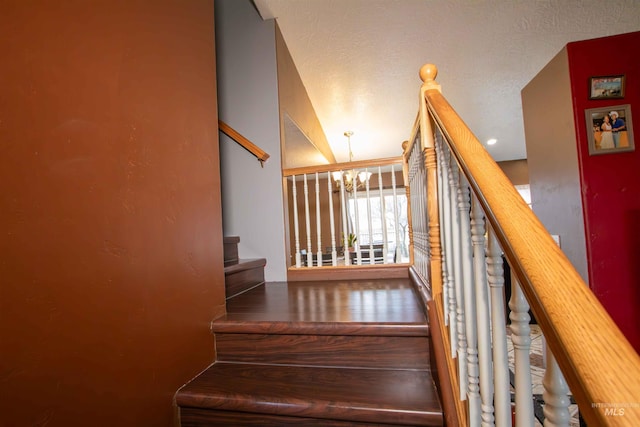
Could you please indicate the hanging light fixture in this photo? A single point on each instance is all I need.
(350, 177)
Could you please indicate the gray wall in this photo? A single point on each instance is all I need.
(252, 201)
(553, 159)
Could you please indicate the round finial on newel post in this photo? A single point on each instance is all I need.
(428, 72)
(404, 146)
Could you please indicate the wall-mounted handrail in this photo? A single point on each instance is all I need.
(600, 365)
(260, 154)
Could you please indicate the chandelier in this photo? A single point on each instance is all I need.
(351, 178)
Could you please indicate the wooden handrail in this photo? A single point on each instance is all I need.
(248, 145)
(600, 365)
(343, 166)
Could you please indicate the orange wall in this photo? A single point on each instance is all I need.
(111, 248)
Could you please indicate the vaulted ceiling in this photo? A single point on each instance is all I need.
(359, 60)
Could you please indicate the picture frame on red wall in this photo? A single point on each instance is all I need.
(610, 129)
(606, 87)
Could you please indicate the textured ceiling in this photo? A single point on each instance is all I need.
(359, 60)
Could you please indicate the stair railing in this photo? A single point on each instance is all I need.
(465, 217)
(258, 152)
(337, 221)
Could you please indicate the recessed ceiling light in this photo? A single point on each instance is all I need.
(492, 141)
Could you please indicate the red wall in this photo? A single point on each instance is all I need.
(611, 183)
(111, 243)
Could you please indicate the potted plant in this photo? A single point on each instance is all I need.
(350, 242)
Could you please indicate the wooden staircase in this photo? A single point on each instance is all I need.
(240, 275)
(330, 353)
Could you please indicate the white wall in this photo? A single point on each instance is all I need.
(252, 201)
(553, 159)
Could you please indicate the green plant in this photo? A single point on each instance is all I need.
(350, 241)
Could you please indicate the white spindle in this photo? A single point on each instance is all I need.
(397, 256)
(423, 234)
(473, 386)
(419, 213)
(383, 219)
(357, 221)
(555, 394)
(296, 231)
(501, 382)
(345, 230)
(463, 371)
(556, 400)
(482, 313)
(443, 226)
(332, 222)
(520, 335)
(448, 219)
(369, 219)
(318, 226)
(307, 222)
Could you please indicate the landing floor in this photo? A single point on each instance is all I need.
(379, 301)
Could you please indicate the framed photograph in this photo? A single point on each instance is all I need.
(609, 129)
(606, 87)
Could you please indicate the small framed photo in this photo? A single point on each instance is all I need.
(609, 129)
(606, 87)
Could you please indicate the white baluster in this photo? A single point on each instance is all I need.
(296, 230)
(345, 207)
(501, 383)
(423, 235)
(369, 219)
(334, 252)
(318, 226)
(473, 386)
(556, 401)
(448, 192)
(456, 246)
(482, 313)
(397, 256)
(357, 222)
(307, 222)
(417, 184)
(520, 335)
(555, 394)
(443, 226)
(383, 219)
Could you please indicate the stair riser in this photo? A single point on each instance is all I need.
(325, 350)
(192, 417)
(230, 247)
(241, 281)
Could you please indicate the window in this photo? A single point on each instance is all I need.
(379, 231)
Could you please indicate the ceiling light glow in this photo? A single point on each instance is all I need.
(492, 141)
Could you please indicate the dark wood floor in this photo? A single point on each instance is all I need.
(375, 301)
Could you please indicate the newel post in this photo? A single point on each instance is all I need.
(428, 74)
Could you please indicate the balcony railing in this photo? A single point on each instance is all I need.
(466, 216)
(348, 214)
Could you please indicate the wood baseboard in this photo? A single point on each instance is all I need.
(352, 272)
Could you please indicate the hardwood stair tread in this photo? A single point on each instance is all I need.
(394, 396)
(244, 264)
(265, 325)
